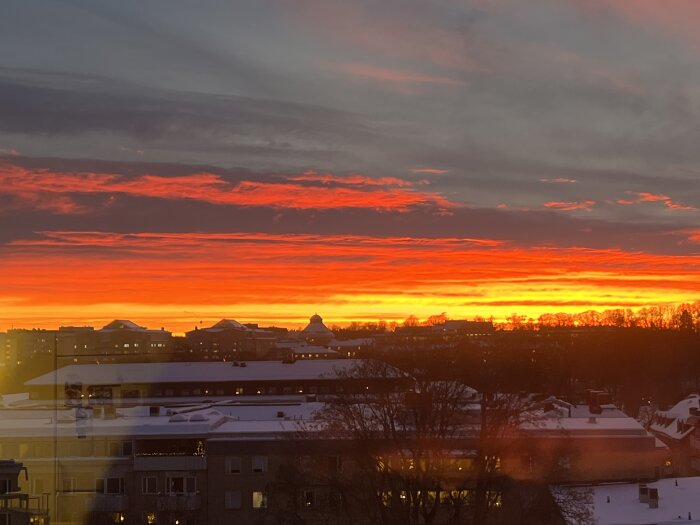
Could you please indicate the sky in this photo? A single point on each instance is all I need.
(172, 162)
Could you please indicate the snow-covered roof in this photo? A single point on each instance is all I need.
(675, 422)
(313, 350)
(150, 373)
(676, 503)
(226, 324)
(123, 324)
(203, 420)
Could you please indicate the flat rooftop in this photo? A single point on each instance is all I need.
(676, 503)
(194, 372)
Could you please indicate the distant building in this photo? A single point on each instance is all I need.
(229, 340)
(352, 347)
(3, 349)
(316, 332)
(22, 345)
(119, 340)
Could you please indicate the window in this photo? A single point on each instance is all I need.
(4, 486)
(181, 485)
(120, 448)
(309, 499)
(109, 486)
(259, 464)
(233, 465)
(334, 464)
(149, 485)
(233, 499)
(259, 500)
(67, 485)
(37, 486)
(238, 391)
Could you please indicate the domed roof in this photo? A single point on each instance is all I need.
(226, 324)
(316, 328)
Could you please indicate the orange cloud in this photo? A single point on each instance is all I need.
(653, 197)
(42, 186)
(352, 180)
(692, 235)
(177, 279)
(570, 205)
(433, 171)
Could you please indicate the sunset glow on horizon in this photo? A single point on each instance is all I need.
(176, 280)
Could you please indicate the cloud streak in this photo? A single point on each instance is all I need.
(585, 205)
(646, 197)
(32, 186)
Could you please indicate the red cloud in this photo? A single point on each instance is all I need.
(653, 197)
(351, 180)
(433, 171)
(42, 186)
(570, 205)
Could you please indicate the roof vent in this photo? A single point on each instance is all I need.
(280, 413)
(243, 364)
(592, 419)
(178, 418)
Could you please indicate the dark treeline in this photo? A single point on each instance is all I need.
(635, 365)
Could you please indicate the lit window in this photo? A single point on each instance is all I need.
(309, 499)
(259, 500)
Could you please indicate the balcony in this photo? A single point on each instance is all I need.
(177, 502)
(107, 503)
(154, 463)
